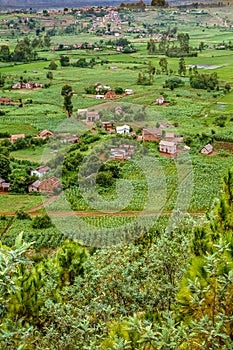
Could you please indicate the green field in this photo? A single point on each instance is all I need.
(191, 112)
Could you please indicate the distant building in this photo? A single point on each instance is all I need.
(151, 134)
(41, 170)
(164, 125)
(5, 100)
(100, 97)
(111, 95)
(4, 186)
(129, 91)
(92, 116)
(207, 149)
(82, 112)
(45, 133)
(167, 147)
(121, 153)
(46, 186)
(159, 100)
(124, 129)
(16, 137)
(108, 126)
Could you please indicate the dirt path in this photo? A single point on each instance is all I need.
(50, 200)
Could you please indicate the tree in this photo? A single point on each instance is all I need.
(4, 167)
(23, 51)
(5, 54)
(159, 3)
(64, 61)
(151, 46)
(163, 65)
(49, 76)
(182, 67)
(52, 65)
(47, 40)
(183, 39)
(173, 83)
(67, 92)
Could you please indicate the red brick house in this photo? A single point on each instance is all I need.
(46, 186)
(151, 134)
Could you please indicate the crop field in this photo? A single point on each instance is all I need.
(191, 112)
(10, 203)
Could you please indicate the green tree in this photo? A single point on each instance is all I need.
(5, 169)
(23, 51)
(182, 67)
(64, 61)
(67, 92)
(52, 65)
(49, 76)
(5, 54)
(163, 64)
(47, 40)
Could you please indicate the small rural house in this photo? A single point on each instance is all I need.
(100, 97)
(164, 125)
(45, 133)
(124, 129)
(16, 137)
(159, 100)
(46, 186)
(82, 111)
(169, 136)
(108, 126)
(111, 95)
(92, 117)
(129, 91)
(41, 170)
(151, 134)
(122, 152)
(72, 139)
(4, 186)
(167, 147)
(5, 100)
(207, 149)
(34, 186)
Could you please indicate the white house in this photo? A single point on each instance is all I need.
(167, 147)
(82, 111)
(40, 171)
(160, 100)
(100, 97)
(124, 129)
(129, 92)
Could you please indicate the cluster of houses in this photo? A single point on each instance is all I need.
(27, 85)
(42, 135)
(168, 141)
(111, 95)
(123, 152)
(66, 138)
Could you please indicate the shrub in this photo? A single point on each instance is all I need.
(22, 215)
(43, 221)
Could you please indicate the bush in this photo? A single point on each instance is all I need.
(22, 215)
(43, 221)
